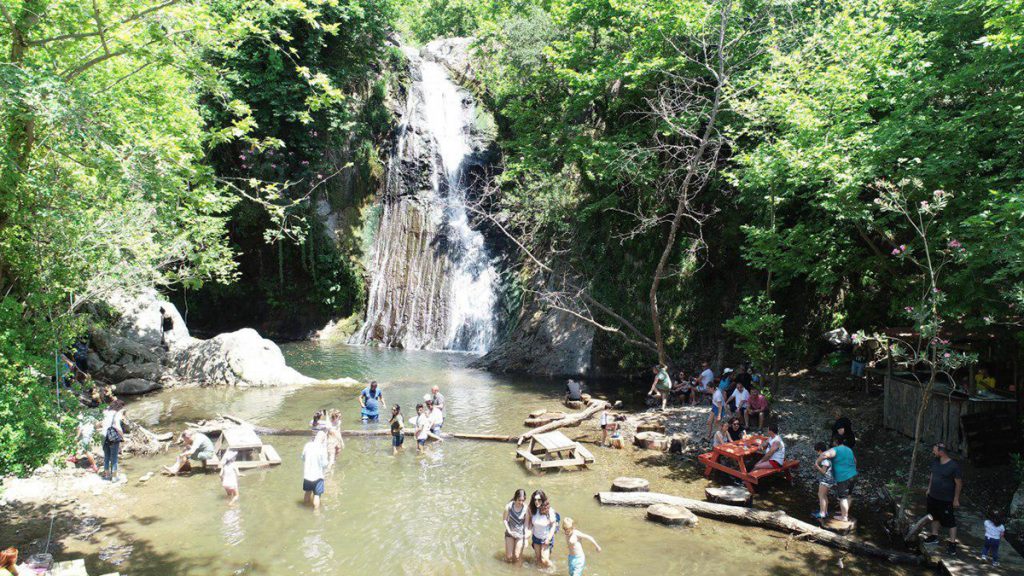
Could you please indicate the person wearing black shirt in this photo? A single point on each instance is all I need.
(842, 431)
(944, 485)
(736, 429)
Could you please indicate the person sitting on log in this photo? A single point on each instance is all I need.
(682, 389)
(775, 451)
(573, 391)
(198, 447)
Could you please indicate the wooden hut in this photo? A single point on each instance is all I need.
(981, 424)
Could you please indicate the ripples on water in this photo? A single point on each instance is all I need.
(436, 514)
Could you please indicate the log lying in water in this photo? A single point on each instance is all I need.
(762, 518)
(264, 431)
(569, 420)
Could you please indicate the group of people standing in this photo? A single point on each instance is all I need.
(538, 522)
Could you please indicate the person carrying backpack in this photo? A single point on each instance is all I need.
(113, 434)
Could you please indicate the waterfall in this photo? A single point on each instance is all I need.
(433, 283)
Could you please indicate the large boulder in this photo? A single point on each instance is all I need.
(133, 386)
(242, 358)
(140, 320)
(1016, 517)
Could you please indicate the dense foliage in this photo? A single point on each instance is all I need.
(829, 103)
(109, 113)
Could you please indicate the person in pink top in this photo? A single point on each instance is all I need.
(757, 406)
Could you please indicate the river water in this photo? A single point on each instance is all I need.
(436, 514)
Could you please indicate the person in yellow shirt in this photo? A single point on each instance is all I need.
(982, 380)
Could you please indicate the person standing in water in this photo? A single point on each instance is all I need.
(575, 538)
(542, 522)
(514, 519)
(335, 442)
(314, 462)
(437, 398)
(397, 429)
(371, 399)
(229, 475)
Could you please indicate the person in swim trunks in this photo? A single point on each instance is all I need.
(575, 538)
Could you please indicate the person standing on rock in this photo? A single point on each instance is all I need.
(166, 326)
(113, 434)
(371, 399)
(661, 385)
(944, 486)
(844, 472)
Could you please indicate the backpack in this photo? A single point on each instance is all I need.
(113, 434)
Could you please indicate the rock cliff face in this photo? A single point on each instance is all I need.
(433, 283)
(136, 357)
(544, 341)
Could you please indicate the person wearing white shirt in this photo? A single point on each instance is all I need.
(707, 376)
(421, 428)
(314, 462)
(717, 409)
(739, 400)
(775, 453)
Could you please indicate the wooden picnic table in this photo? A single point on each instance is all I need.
(554, 450)
(738, 451)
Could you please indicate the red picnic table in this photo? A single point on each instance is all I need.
(738, 451)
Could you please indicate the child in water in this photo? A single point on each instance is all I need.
(577, 560)
(229, 476)
(397, 429)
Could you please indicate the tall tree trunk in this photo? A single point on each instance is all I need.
(683, 196)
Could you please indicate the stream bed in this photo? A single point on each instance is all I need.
(435, 514)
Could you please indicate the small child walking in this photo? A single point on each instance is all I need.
(825, 481)
(994, 531)
(397, 429)
(229, 476)
(574, 538)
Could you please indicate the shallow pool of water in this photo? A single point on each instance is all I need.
(435, 514)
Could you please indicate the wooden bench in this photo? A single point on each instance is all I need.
(786, 469)
(530, 459)
(577, 461)
(588, 458)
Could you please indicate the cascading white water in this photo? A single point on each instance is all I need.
(433, 282)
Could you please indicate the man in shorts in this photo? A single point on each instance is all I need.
(944, 486)
(844, 472)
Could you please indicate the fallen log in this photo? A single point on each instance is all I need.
(913, 530)
(569, 420)
(264, 431)
(772, 520)
(545, 418)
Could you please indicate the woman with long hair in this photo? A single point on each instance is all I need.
(515, 527)
(542, 521)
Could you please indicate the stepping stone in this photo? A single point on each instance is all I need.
(627, 484)
(735, 495)
(671, 515)
(651, 441)
(677, 444)
(651, 427)
(574, 404)
(586, 398)
(840, 527)
(538, 413)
